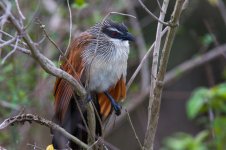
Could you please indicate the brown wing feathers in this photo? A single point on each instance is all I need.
(63, 91)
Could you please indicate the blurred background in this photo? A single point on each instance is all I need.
(193, 106)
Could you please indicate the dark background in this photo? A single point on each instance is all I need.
(24, 85)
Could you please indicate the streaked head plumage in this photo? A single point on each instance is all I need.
(116, 31)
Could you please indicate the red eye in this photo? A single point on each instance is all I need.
(114, 33)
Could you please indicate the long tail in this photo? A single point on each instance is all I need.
(73, 123)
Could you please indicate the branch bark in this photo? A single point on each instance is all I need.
(35, 118)
(154, 107)
(155, 61)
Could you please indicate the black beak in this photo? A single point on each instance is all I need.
(129, 37)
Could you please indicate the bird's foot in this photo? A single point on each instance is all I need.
(115, 105)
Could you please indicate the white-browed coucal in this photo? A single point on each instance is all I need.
(98, 59)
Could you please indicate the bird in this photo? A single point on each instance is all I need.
(97, 58)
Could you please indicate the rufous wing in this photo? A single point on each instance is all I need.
(73, 65)
(118, 92)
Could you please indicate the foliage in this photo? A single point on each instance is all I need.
(202, 102)
(183, 141)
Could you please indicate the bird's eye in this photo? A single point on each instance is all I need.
(114, 33)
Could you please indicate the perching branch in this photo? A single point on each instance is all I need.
(35, 118)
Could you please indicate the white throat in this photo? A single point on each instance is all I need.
(106, 74)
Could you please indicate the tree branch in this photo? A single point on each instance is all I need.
(155, 60)
(46, 64)
(153, 115)
(152, 15)
(35, 118)
(145, 79)
(143, 61)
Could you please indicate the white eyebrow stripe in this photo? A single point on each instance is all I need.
(114, 29)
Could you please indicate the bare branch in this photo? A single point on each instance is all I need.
(145, 79)
(8, 42)
(35, 118)
(10, 53)
(159, 5)
(142, 61)
(46, 64)
(6, 104)
(5, 16)
(178, 71)
(20, 12)
(156, 53)
(23, 50)
(155, 100)
(150, 13)
(69, 42)
(134, 131)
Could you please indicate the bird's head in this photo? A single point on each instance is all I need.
(116, 31)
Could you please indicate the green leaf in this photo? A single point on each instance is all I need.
(207, 39)
(219, 91)
(201, 136)
(219, 126)
(79, 4)
(179, 141)
(196, 102)
(184, 141)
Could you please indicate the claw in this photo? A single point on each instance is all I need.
(116, 106)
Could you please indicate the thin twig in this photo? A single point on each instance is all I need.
(6, 104)
(141, 46)
(142, 61)
(91, 146)
(123, 14)
(150, 13)
(134, 131)
(159, 5)
(10, 53)
(7, 12)
(178, 71)
(33, 16)
(5, 33)
(23, 50)
(70, 29)
(35, 147)
(42, 26)
(35, 118)
(8, 42)
(18, 9)
(222, 9)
